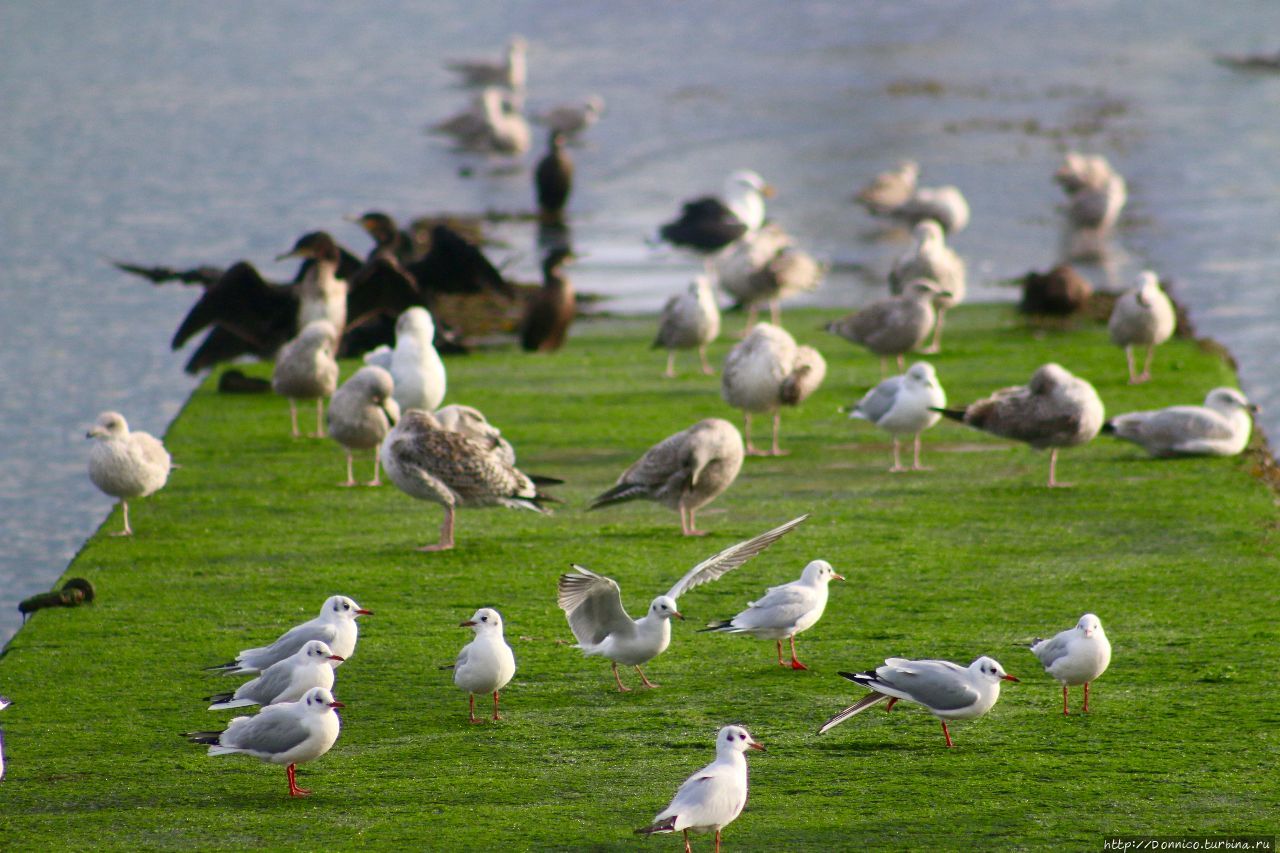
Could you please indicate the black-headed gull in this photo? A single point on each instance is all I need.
(4, 703)
(290, 733)
(126, 464)
(904, 405)
(284, 681)
(593, 605)
(1075, 656)
(684, 472)
(765, 371)
(306, 369)
(893, 326)
(712, 798)
(931, 259)
(336, 625)
(1142, 316)
(948, 690)
(708, 224)
(361, 413)
(689, 320)
(1055, 409)
(785, 610)
(1220, 427)
(485, 664)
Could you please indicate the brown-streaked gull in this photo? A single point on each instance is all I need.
(509, 71)
(1220, 427)
(766, 371)
(904, 405)
(684, 472)
(306, 370)
(361, 413)
(689, 320)
(1075, 656)
(126, 464)
(336, 625)
(893, 326)
(931, 258)
(283, 681)
(486, 664)
(945, 205)
(414, 364)
(593, 605)
(1142, 316)
(472, 423)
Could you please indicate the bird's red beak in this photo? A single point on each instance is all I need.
(1007, 678)
(336, 657)
(837, 577)
(363, 612)
(678, 615)
(336, 704)
(755, 745)
(468, 624)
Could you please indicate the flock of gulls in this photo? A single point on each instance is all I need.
(392, 408)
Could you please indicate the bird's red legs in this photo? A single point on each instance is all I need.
(1086, 697)
(647, 682)
(621, 688)
(795, 662)
(496, 715)
(946, 733)
(294, 790)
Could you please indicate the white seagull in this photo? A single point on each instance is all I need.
(486, 664)
(712, 798)
(1075, 656)
(904, 405)
(414, 364)
(1220, 427)
(4, 703)
(765, 371)
(948, 690)
(361, 413)
(786, 610)
(1142, 316)
(336, 625)
(690, 319)
(290, 733)
(126, 464)
(306, 369)
(284, 681)
(593, 605)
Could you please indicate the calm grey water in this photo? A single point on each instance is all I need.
(197, 132)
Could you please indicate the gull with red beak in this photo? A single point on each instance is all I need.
(948, 690)
(485, 664)
(285, 681)
(1075, 656)
(336, 625)
(291, 733)
(786, 610)
(593, 605)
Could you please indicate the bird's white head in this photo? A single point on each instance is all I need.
(1049, 377)
(745, 179)
(316, 651)
(664, 607)
(990, 668)
(416, 322)
(1228, 400)
(819, 572)
(375, 382)
(319, 333)
(108, 425)
(736, 739)
(339, 607)
(922, 374)
(929, 234)
(486, 619)
(320, 701)
(4, 703)
(1090, 625)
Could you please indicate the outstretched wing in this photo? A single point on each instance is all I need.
(242, 302)
(380, 288)
(730, 558)
(593, 605)
(453, 265)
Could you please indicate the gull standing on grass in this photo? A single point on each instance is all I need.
(786, 610)
(414, 364)
(593, 605)
(486, 664)
(126, 464)
(1075, 656)
(690, 319)
(4, 703)
(904, 405)
(361, 413)
(1220, 427)
(336, 625)
(893, 326)
(948, 690)
(290, 733)
(1142, 316)
(1055, 410)
(284, 681)
(712, 798)
(684, 472)
(933, 260)
(765, 371)
(306, 370)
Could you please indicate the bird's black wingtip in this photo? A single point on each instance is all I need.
(953, 414)
(1109, 428)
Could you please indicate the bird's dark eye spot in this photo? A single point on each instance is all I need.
(484, 618)
(346, 607)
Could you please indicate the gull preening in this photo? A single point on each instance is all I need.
(336, 626)
(893, 326)
(948, 690)
(593, 605)
(932, 259)
(786, 610)
(284, 681)
(510, 70)
(690, 319)
(1220, 427)
(414, 364)
(904, 405)
(1096, 193)
(126, 464)
(290, 733)
(708, 224)
(765, 371)
(430, 463)
(1075, 656)
(896, 194)
(712, 798)
(1142, 316)
(493, 123)
(472, 423)
(485, 664)
(766, 266)
(1055, 409)
(684, 472)
(361, 413)
(307, 370)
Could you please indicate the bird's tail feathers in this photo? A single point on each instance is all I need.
(858, 707)
(1109, 427)
(665, 825)
(953, 414)
(718, 625)
(618, 494)
(539, 480)
(209, 738)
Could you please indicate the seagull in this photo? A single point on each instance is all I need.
(593, 605)
(307, 370)
(945, 205)
(361, 413)
(708, 224)
(785, 610)
(712, 798)
(888, 191)
(572, 119)
(765, 371)
(1055, 410)
(1096, 193)
(930, 258)
(684, 472)
(904, 405)
(1220, 427)
(290, 733)
(1075, 656)
(430, 463)
(553, 179)
(336, 625)
(1142, 316)
(893, 326)
(486, 664)
(4, 703)
(284, 681)
(472, 423)
(948, 690)
(510, 71)
(126, 464)
(690, 319)
(414, 364)
(766, 266)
